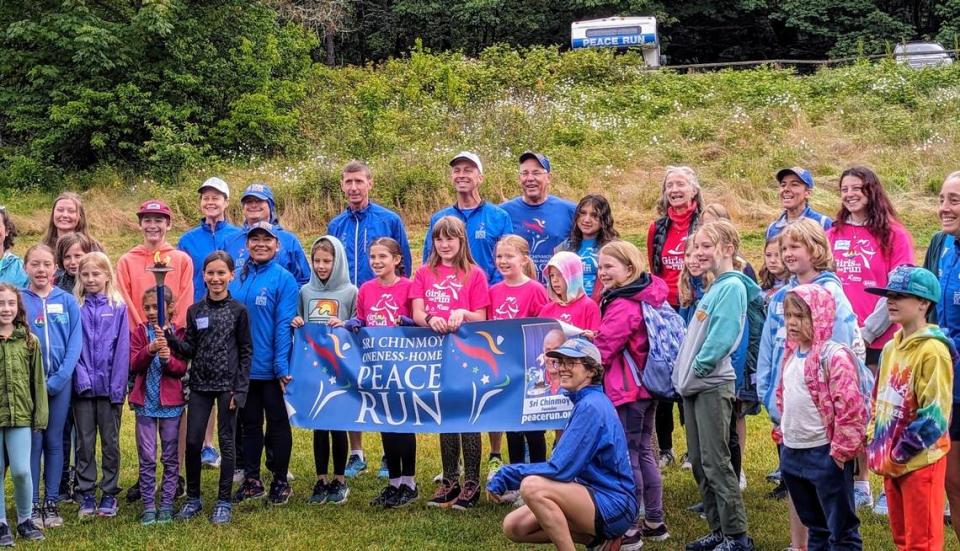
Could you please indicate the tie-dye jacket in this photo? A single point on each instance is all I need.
(834, 388)
(911, 408)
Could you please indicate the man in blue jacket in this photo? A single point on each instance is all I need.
(486, 223)
(363, 222)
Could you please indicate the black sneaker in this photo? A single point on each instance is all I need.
(28, 531)
(387, 495)
(250, 489)
(66, 486)
(707, 543)
(181, 487)
(469, 497)
(654, 534)
(6, 537)
(404, 497)
(731, 544)
(780, 492)
(133, 494)
(632, 541)
(319, 492)
(280, 492)
(446, 494)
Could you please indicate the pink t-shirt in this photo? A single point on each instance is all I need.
(379, 305)
(521, 301)
(860, 264)
(583, 313)
(448, 290)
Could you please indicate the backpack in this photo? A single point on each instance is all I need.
(665, 333)
(865, 377)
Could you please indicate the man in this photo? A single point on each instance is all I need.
(486, 223)
(796, 188)
(542, 219)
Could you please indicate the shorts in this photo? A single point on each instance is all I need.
(955, 423)
(608, 529)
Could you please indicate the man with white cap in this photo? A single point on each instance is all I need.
(486, 223)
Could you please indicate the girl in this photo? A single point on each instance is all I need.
(519, 295)
(66, 216)
(218, 341)
(25, 409)
(568, 303)
(716, 211)
(157, 399)
(70, 249)
(773, 274)
(100, 383)
(593, 229)
(385, 302)
(823, 421)
(623, 336)
(448, 290)
(55, 319)
(11, 267)
(328, 299)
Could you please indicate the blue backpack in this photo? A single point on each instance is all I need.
(665, 333)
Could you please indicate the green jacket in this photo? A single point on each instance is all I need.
(23, 385)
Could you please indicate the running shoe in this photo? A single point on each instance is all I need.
(108, 506)
(386, 495)
(404, 497)
(28, 531)
(190, 509)
(707, 543)
(209, 457)
(731, 544)
(6, 537)
(446, 494)
(222, 513)
(666, 459)
(631, 541)
(148, 517)
(862, 498)
(250, 489)
(337, 492)
(164, 516)
(880, 507)
(468, 497)
(685, 462)
(280, 492)
(355, 466)
(37, 515)
(659, 533)
(51, 515)
(319, 493)
(607, 545)
(88, 505)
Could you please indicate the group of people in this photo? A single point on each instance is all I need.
(831, 338)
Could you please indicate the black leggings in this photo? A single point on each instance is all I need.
(664, 423)
(536, 440)
(400, 451)
(321, 451)
(265, 399)
(198, 413)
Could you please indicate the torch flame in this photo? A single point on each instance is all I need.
(160, 261)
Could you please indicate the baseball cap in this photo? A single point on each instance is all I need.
(264, 227)
(910, 280)
(215, 184)
(259, 191)
(577, 347)
(540, 157)
(470, 156)
(799, 172)
(154, 206)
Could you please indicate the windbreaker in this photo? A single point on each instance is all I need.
(11, 270)
(104, 365)
(777, 225)
(337, 297)
(55, 320)
(270, 294)
(948, 309)
(23, 392)
(198, 243)
(358, 229)
(486, 224)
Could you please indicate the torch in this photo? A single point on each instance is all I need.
(160, 269)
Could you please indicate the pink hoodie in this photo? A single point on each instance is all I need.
(133, 279)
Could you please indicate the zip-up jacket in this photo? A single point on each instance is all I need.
(486, 224)
(11, 270)
(777, 225)
(270, 295)
(55, 320)
(198, 243)
(948, 309)
(171, 389)
(23, 388)
(357, 229)
(104, 365)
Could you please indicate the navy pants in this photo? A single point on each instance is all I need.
(823, 496)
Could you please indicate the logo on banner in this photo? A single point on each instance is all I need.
(481, 364)
(333, 383)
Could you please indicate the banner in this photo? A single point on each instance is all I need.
(487, 377)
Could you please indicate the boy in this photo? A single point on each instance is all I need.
(907, 436)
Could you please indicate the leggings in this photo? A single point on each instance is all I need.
(265, 399)
(198, 414)
(535, 440)
(168, 429)
(321, 451)
(664, 423)
(15, 441)
(48, 447)
(400, 451)
(450, 446)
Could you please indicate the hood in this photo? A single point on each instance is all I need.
(646, 288)
(141, 251)
(824, 277)
(55, 293)
(268, 193)
(823, 309)
(930, 331)
(339, 275)
(570, 267)
(753, 290)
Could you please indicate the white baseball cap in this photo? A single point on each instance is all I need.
(470, 156)
(217, 184)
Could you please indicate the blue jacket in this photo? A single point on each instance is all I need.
(271, 295)
(774, 337)
(592, 451)
(55, 320)
(198, 243)
(777, 225)
(948, 309)
(11, 270)
(358, 229)
(104, 365)
(486, 224)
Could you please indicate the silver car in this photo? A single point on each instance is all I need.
(922, 54)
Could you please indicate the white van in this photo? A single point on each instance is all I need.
(619, 32)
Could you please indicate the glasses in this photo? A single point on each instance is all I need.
(534, 173)
(566, 364)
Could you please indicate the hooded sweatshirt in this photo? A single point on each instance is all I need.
(713, 335)
(914, 395)
(11, 270)
(358, 229)
(336, 297)
(133, 279)
(198, 243)
(834, 388)
(23, 396)
(773, 338)
(575, 307)
(622, 329)
(55, 320)
(104, 365)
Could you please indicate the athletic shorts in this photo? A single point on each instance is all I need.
(608, 529)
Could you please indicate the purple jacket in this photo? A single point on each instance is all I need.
(105, 358)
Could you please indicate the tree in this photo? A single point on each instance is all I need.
(325, 17)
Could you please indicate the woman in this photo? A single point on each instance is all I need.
(585, 493)
(66, 216)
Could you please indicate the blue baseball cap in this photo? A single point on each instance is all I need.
(258, 191)
(577, 347)
(540, 157)
(266, 227)
(799, 172)
(910, 280)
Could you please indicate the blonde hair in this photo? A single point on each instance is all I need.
(810, 235)
(522, 247)
(722, 233)
(451, 226)
(685, 287)
(627, 254)
(688, 173)
(716, 210)
(102, 261)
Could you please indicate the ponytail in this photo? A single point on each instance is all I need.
(523, 248)
(529, 268)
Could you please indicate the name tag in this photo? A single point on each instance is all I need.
(203, 323)
(54, 308)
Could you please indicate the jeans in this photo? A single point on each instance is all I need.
(48, 447)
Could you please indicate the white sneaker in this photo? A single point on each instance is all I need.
(862, 498)
(685, 462)
(510, 496)
(290, 477)
(880, 507)
(743, 481)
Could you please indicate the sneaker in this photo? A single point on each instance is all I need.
(37, 515)
(880, 507)
(148, 517)
(685, 462)
(280, 491)
(238, 475)
(862, 498)
(28, 531)
(165, 516)
(209, 457)
(320, 493)
(222, 513)
(631, 541)
(946, 513)
(404, 497)
(337, 492)
(607, 545)
(108, 506)
(133, 494)
(666, 459)
(493, 465)
(510, 496)
(780, 492)
(387, 495)
(290, 477)
(468, 497)
(743, 481)
(6, 537)
(181, 488)
(88, 505)
(383, 472)
(706, 543)
(52, 518)
(659, 533)
(66, 486)
(191, 508)
(250, 489)
(730, 544)
(774, 477)
(446, 494)
(355, 466)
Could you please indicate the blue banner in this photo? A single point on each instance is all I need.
(487, 377)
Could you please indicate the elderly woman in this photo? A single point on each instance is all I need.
(585, 493)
